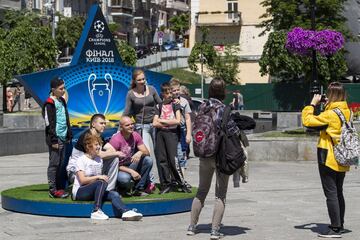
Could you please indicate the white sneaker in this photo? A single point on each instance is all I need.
(99, 215)
(131, 215)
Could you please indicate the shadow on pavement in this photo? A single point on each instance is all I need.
(316, 227)
(226, 230)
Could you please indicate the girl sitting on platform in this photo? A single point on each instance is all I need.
(90, 184)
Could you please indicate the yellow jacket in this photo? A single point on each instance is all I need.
(330, 125)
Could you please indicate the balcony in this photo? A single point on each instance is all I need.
(177, 5)
(121, 8)
(209, 19)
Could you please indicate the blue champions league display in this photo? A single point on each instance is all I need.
(96, 81)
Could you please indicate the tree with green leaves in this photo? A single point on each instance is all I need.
(69, 31)
(113, 27)
(226, 64)
(202, 52)
(180, 23)
(127, 52)
(280, 17)
(25, 45)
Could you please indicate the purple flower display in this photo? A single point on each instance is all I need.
(326, 42)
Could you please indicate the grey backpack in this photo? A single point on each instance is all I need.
(347, 151)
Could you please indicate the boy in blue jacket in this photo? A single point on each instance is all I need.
(58, 133)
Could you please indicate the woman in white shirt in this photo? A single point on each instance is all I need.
(90, 184)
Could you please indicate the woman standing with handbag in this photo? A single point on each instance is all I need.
(332, 174)
(141, 100)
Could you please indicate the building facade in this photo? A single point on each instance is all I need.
(232, 22)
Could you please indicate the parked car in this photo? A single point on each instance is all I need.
(64, 61)
(170, 46)
(141, 51)
(13, 83)
(180, 43)
(154, 48)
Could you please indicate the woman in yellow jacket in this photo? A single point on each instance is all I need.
(331, 173)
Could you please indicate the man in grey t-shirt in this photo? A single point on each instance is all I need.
(185, 125)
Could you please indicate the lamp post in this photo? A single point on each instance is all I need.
(314, 86)
(202, 58)
(51, 6)
(202, 71)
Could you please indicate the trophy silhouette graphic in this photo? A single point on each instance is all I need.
(100, 91)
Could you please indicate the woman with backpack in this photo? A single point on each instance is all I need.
(332, 174)
(208, 164)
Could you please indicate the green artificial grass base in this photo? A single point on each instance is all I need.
(40, 192)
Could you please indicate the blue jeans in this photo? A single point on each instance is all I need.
(97, 191)
(182, 148)
(143, 167)
(147, 132)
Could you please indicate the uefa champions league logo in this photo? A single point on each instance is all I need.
(99, 26)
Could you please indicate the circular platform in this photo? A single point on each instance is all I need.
(34, 199)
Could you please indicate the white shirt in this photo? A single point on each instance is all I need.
(72, 160)
(90, 167)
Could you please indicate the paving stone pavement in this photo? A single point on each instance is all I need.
(282, 201)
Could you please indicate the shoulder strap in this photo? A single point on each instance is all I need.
(225, 118)
(341, 116)
(173, 107)
(160, 108)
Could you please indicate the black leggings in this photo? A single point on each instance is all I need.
(332, 183)
(97, 191)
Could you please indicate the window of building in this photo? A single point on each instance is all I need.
(233, 8)
(36, 4)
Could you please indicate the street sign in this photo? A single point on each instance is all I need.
(160, 41)
(197, 90)
(160, 34)
(67, 12)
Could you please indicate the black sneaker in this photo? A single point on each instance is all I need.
(245, 179)
(139, 193)
(215, 234)
(166, 189)
(342, 230)
(330, 233)
(191, 230)
(185, 189)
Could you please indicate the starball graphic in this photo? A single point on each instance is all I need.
(97, 81)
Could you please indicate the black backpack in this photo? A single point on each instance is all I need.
(230, 155)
